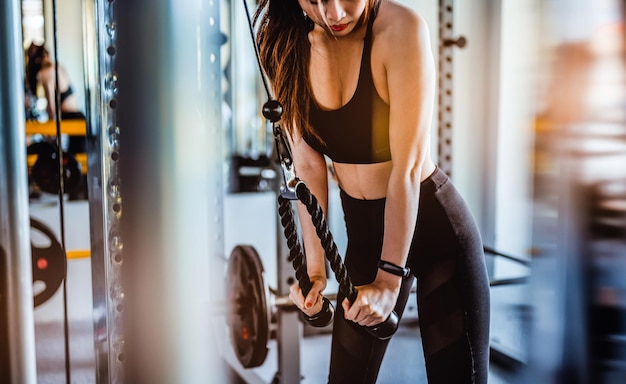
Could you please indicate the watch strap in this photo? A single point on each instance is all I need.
(393, 268)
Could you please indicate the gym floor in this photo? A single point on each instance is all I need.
(404, 360)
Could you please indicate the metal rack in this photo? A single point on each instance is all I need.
(448, 41)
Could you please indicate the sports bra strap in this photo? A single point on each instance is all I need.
(368, 33)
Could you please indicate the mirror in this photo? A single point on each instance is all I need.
(41, 69)
(41, 58)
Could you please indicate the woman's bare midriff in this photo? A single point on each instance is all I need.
(370, 181)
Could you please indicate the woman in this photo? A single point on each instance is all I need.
(41, 70)
(357, 82)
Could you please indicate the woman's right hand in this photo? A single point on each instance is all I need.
(312, 304)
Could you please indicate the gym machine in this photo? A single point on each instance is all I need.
(155, 187)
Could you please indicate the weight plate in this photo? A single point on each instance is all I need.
(49, 262)
(45, 171)
(248, 314)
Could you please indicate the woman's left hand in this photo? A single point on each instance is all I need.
(373, 304)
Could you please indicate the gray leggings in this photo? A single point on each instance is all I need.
(446, 257)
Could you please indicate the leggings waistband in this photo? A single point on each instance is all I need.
(436, 179)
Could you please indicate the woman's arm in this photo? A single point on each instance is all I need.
(409, 66)
(411, 83)
(311, 169)
(46, 78)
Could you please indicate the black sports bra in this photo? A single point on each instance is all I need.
(66, 94)
(358, 132)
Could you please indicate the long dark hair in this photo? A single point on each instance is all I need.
(36, 54)
(285, 50)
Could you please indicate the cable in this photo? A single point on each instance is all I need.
(381, 331)
(57, 104)
(256, 52)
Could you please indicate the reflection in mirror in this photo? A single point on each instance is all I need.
(47, 51)
(40, 72)
(38, 32)
(33, 33)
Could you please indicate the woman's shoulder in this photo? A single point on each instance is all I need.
(46, 71)
(396, 23)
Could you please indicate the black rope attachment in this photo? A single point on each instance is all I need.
(328, 243)
(298, 261)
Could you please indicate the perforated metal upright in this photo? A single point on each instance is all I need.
(155, 187)
(447, 43)
(105, 200)
(289, 331)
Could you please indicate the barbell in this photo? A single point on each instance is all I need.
(248, 313)
(251, 306)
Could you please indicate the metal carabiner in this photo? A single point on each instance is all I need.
(283, 151)
(272, 110)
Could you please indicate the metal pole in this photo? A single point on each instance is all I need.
(168, 113)
(18, 365)
(289, 331)
(105, 199)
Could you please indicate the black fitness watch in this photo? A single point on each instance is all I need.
(394, 269)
